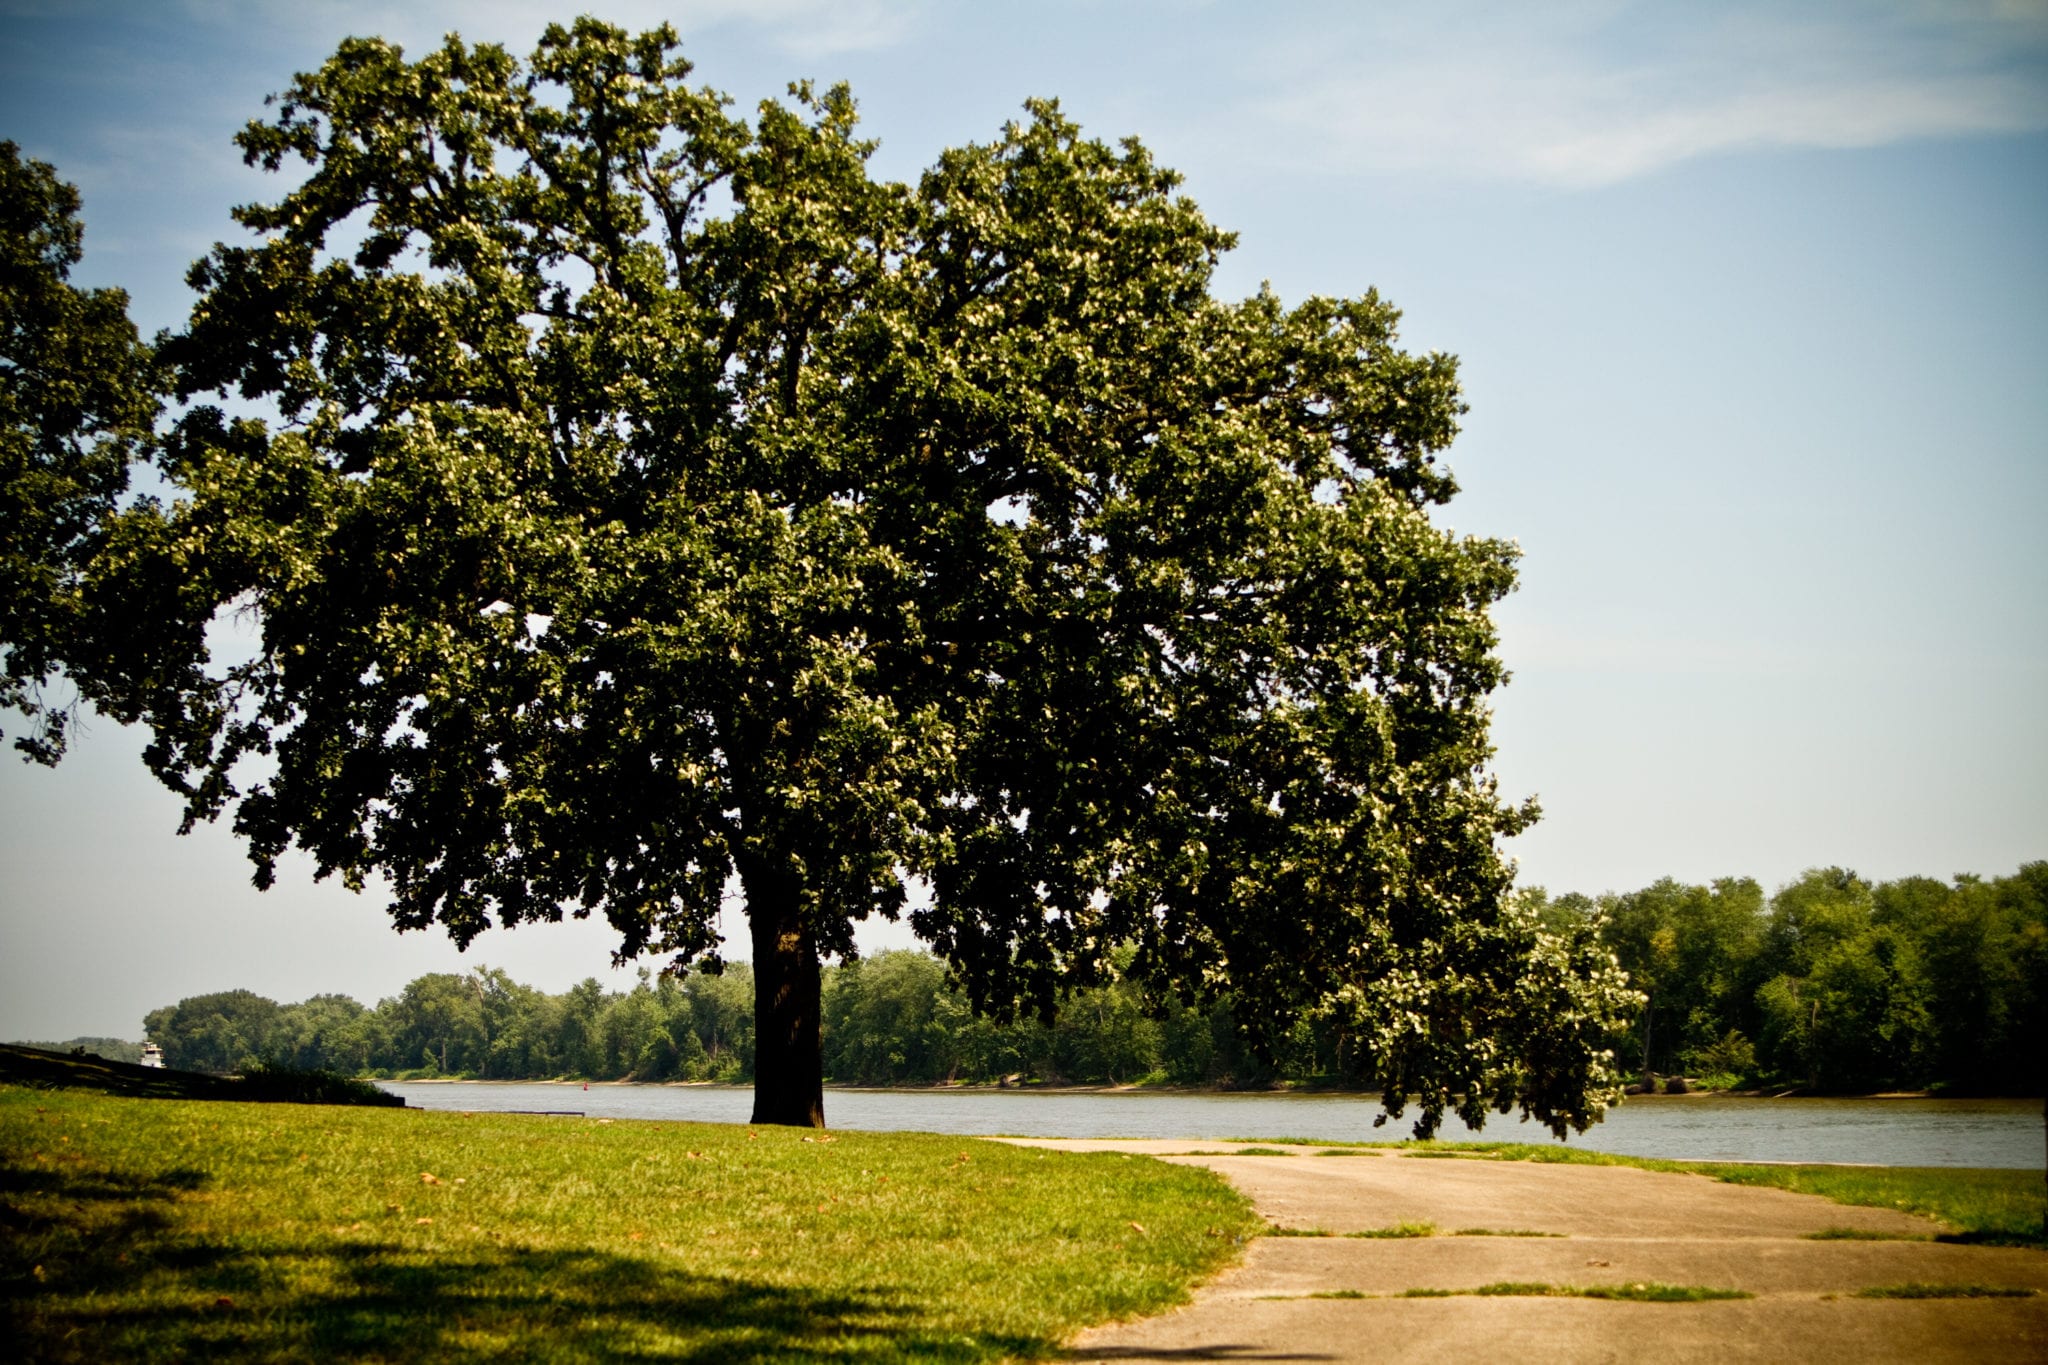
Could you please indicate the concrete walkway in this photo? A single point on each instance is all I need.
(1601, 1225)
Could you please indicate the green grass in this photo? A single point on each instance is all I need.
(1994, 1207)
(1944, 1291)
(1405, 1230)
(2002, 1208)
(1861, 1235)
(180, 1230)
(1521, 1289)
(1256, 1151)
(1632, 1293)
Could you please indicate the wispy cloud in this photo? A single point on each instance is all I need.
(802, 28)
(1598, 93)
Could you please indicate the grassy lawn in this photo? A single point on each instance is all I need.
(174, 1230)
(1993, 1206)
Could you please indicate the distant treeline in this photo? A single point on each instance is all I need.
(889, 1019)
(1833, 983)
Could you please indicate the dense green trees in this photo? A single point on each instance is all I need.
(480, 1024)
(1836, 983)
(225, 1031)
(77, 402)
(634, 499)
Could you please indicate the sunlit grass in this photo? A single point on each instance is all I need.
(1944, 1291)
(1398, 1230)
(176, 1230)
(1631, 1293)
(1520, 1289)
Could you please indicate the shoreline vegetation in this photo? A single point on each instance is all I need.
(1832, 986)
(48, 1070)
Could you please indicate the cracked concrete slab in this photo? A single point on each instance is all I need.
(1608, 1225)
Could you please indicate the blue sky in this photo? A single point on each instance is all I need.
(1752, 304)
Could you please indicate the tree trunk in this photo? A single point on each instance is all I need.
(789, 1074)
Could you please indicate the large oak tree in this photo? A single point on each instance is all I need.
(648, 498)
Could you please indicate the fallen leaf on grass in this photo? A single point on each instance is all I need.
(418, 1221)
(429, 1178)
(1141, 1228)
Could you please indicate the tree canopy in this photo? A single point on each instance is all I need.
(77, 403)
(648, 497)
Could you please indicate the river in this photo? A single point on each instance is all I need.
(1903, 1132)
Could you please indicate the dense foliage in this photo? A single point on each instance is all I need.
(1836, 983)
(1833, 983)
(77, 402)
(634, 501)
(479, 1023)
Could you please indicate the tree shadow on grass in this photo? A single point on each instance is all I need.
(98, 1268)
